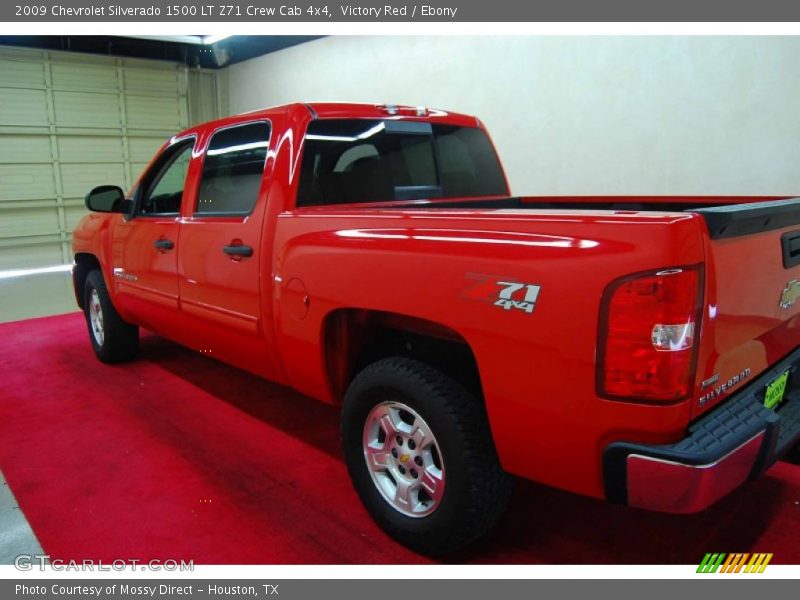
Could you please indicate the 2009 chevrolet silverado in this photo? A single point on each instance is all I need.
(639, 349)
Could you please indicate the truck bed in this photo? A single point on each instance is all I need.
(751, 249)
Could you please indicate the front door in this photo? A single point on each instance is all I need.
(145, 247)
(219, 259)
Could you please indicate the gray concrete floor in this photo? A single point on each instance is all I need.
(36, 296)
(16, 535)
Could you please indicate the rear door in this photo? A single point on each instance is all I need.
(219, 260)
(753, 294)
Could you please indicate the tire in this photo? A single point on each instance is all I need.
(459, 451)
(115, 341)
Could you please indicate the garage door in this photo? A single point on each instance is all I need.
(69, 122)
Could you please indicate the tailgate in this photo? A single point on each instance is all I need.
(752, 294)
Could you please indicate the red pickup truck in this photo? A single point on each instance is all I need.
(639, 349)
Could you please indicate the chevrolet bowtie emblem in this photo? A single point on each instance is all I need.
(790, 294)
(404, 458)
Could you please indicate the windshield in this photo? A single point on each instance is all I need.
(364, 160)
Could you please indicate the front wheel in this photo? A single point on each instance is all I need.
(113, 340)
(421, 456)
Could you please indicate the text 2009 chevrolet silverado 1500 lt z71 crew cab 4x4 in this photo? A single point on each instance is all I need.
(639, 349)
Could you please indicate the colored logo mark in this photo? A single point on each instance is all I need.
(737, 562)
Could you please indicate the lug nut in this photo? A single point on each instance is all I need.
(414, 473)
(399, 440)
(394, 452)
(412, 444)
(418, 460)
(402, 469)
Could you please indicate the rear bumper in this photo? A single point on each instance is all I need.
(735, 442)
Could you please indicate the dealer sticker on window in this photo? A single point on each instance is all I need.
(775, 391)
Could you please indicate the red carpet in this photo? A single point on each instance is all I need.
(178, 456)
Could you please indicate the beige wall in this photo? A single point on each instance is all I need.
(577, 115)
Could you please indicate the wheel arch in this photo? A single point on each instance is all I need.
(354, 338)
(85, 263)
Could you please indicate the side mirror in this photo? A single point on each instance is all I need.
(108, 199)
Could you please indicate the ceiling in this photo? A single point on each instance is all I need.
(210, 52)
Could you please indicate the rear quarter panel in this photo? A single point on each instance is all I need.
(537, 370)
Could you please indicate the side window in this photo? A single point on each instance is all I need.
(163, 187)
(233, 169)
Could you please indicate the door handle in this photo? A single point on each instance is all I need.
(163, 244)
(238, 250)
(791, 249)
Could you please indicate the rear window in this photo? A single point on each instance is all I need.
(361, 160)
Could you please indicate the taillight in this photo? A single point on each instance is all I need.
(648, 336)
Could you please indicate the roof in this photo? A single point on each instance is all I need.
(342, 110)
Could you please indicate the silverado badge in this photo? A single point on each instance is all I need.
(790, 294)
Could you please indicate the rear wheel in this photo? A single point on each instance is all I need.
(113, 340)
(421, 456)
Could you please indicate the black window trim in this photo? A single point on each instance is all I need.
(141, 190)
(231, 213)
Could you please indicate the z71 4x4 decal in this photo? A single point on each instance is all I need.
(504, 292)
